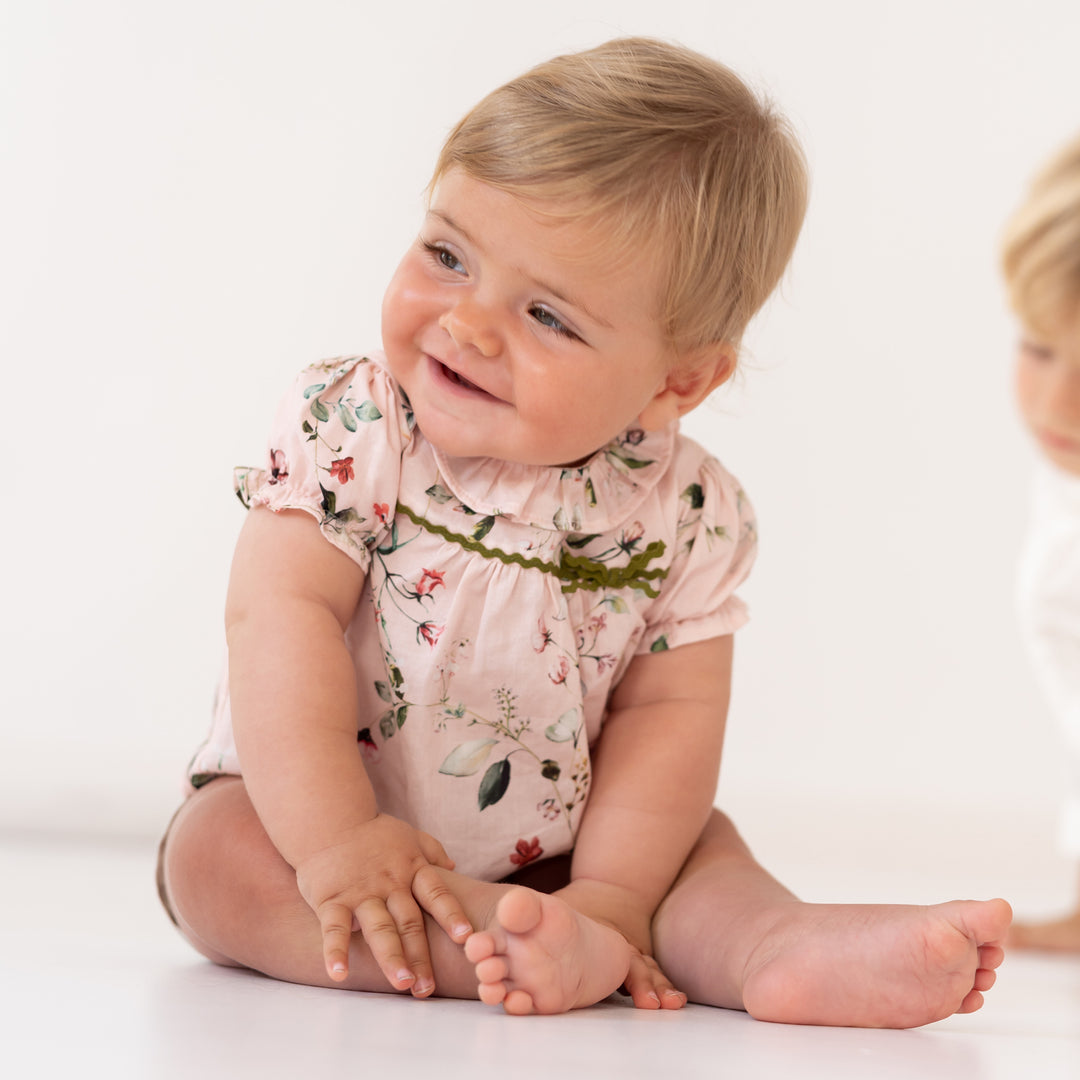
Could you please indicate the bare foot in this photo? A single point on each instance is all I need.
(876, 965)
(1056, 935)
(539, 955)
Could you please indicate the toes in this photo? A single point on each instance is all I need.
(519, 911)
(972, 1003)
(984, 979)
(491, 993)
(990, 956)
(493, 969)
(480, 946)
(518, 1003)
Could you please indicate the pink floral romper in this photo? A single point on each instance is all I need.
(503, 603)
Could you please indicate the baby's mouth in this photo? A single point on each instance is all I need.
(454, 377)
(460, 380)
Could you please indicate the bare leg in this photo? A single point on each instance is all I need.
(1054, 935)
(728, 934)
(236, 901)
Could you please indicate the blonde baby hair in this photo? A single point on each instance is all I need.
(1041, 248)
(669, 154)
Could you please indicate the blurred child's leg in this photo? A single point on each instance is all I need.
(728, 934)
(1054, 935)
(1063, 933)
(235, 899)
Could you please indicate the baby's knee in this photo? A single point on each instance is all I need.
(217, 866)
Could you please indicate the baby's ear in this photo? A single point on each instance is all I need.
(693, 377)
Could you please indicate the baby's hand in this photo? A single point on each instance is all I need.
(649, 987)
(365, 882)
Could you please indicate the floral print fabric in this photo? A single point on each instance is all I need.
(502, 605)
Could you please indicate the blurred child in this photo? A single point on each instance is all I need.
(480, 615)
(1041, 262)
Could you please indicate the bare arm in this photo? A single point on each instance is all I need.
(292, 685)
(655, 770)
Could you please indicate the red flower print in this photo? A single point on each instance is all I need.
(598, 622)
(542, 638)
(559, 675)
(429, 632)
(428, 581)
(367, 744)
(382, 510)
(526, 851)
(279, 467)
(342, 470)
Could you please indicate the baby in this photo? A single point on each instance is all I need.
(1041, 263)
(481, 611)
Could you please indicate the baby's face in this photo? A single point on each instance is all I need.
(1048, 392)
(515, 338)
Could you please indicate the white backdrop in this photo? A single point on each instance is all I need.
(198, 198)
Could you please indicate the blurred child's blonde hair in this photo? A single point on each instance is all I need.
(1041, 249)
(669, 154)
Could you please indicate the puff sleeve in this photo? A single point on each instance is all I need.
(335, 452)
(715, 545)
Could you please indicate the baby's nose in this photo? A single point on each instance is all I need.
(468, 325)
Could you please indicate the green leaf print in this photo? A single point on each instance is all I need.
(345, 415)
(329, 500)
(493, 786)
(694, 495)
(439, 494)
(383, 691)
(564, 728)
(367, 412)
(580, 541)
(483, 528)
(660, 644)
(319, 410)
(387, 725)
(465, 759)
(629, 460)
(315, 388)
(402, 714)
(550, 770)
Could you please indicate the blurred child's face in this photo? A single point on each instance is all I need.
(1048, 391)
(515, 338)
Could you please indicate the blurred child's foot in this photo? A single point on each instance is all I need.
(1057, 935)
(537, 954)
(876, 965)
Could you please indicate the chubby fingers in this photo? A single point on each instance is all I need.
(336, 923)
(433, 851)
(395, 933)
(436, 897)
(649, 987)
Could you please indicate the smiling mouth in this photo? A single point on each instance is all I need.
(460, 380)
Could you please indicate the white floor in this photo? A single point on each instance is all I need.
(94, 982)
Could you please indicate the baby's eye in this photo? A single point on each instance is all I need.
(551, 321)
(445, 257)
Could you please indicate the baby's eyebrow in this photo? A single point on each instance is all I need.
(559, 294)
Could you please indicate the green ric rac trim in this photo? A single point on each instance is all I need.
(575, 571)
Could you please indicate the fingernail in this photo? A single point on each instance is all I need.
(404, 975)
(339, 968)
(462, 928)
(655, 996)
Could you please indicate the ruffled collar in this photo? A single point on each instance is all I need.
(592, 498)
